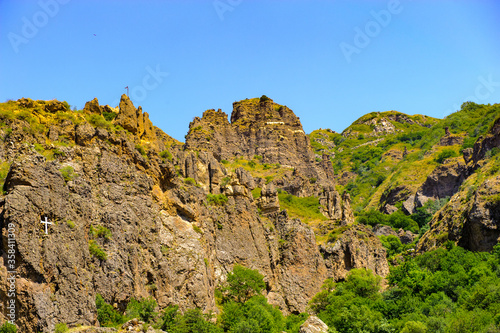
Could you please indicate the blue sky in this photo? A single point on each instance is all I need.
(329, 61)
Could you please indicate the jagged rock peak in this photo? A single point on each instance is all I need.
(263, 111)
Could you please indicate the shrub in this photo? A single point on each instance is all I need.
(106, 314)
(241, 284)
(70, 224)
(446, 153)
(307, 207)
(100, 231)
(166, 155)
(109, 116)
(61, 328)
(264, 98)
(225, 181)
(141, 150)
(190, 181)
(98, 121)
(96, 250)
(68, 173)
(143, 309)
(216, 199)
(8, 328)
(256, 192)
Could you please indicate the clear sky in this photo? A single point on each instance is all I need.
(329, 61)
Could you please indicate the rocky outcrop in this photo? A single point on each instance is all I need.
(336, 207)
(443, 182)
(470, 218)
(134, 120)
(357, 247)
(313, 325)
(175, 226)
(258, 128)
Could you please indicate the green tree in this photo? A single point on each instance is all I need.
(414, 327)
(194, 321)
(242, 283)
(143, 309)
(363, 282)
(106, 314)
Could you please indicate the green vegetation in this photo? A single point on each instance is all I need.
(305, 208)
(264, 98)
(68, 173)
(109, 116)
(243, 309)
(61, 328)
(107, 315)
(97, 251)
(197, 229)
(141, 150)
(445, 291)
(216, 199)
(242, 284)
(143, 309)
(8, 328)
(256, 192)
(396, 220)
(166, 155)
(4, 170)
(445, 154)
(190, 181)
(100, 231)
(376, 162)
(70, 224)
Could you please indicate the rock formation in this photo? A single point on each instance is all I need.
(129, 222)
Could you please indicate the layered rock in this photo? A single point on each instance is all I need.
(167, 239)
(258, 127)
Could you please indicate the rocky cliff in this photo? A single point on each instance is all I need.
(134, 214)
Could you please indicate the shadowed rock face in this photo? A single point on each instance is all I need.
(165, 239)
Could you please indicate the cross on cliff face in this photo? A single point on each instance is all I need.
(46, 224)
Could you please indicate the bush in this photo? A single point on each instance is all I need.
(106, 314)
(216, 199)
(264, 98)
(70, 224)
(307, 207)
(109, 116)
(190, 181)
(445, 154)
(166, 155)
(241, 284)
(98, 121)
(143, 309)
(68, 173)
(100, 231)
(8, 328)
(96, 250)
(141, 150)
(61, 328)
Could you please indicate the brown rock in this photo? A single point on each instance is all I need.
(92, 107)
(313, 325)
(127, 116)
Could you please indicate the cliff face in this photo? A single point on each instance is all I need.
(130, 222)
(471, 217)
(262, 128)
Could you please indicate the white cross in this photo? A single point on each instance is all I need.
(46, 223)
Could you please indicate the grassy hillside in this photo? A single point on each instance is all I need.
(383, 150)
